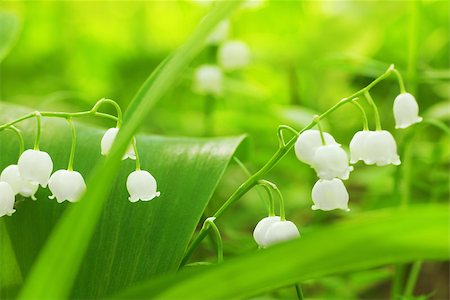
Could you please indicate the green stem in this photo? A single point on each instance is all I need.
(209, 223)
(401, 84)
(375, 110)
(136, 153)
(363, 113)
(20, 137)
(281, 136)
(273, 161)
(38, 130)
(299, 292)
(113, 103)
(412, 279)
(397, 282)
(322, 138)
(271, 201)
(73, 146)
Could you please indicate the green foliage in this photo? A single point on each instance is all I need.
(9, 27)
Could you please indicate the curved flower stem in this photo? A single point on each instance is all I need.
(363, 113)
(138, 161)
(113, 103)
(322, 138)
(73, 146)
(19, 136)
(375, 110)
(209, 223)
(38, 130)
(280, 196)
(273, 161)
(281, 136)
(401, 84)
(412, 279)
(271, 201)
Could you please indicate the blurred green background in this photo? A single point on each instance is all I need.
(305, 57)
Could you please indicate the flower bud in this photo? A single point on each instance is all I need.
(406, 111)
(308, 142)
(259, 234)
(66, 185)
(6, 199)
(19, 185)
(280, 232)
(141, 185)
(330, 194)
(108, 140)
(35, 166)
(208, 80)
(219, 34)
(233, 55)
(331, 161)
(380, 148)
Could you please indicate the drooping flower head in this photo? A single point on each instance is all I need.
(6, 199)
(406, 111)
(19, 185)
(208, 80)
(108, 140)
(35, 166)
(233, 55)
(272, 230)
(141, 185)
(66, 186)
(259, 233)
(329, 195)
(375, 147)
(308, 142)
(331, 161)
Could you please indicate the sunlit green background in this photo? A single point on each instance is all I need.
(305, 57)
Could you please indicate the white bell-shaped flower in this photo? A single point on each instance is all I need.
(35, 166)
(330, 194)
(108, 140)
(331, 161)
(259, 233)
(220, 33)
(208, 80)
(141, 185)
(6, 199)
(233, 55)
(66, 185)
(281, 231)
(406, 111)
(19, 185)
(308, 142)
(380, 148)
(357, 146)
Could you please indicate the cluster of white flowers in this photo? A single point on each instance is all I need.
(232, 55)
(35, 168)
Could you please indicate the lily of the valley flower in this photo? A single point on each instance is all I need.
(35, 166)
(406, 111)
(66, 185)
(272, 230)
(108, 140)
(331, 161)
(329, 195)
(220, 33)
(308, 142)
(19, 185)
(141, 185)
(374, 147)
(6, 199)
(233, 55)
(208, 80)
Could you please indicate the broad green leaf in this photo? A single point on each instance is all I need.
(56, 267)
(9, 28)
(365, 241)
(10, 275)
(132, 241)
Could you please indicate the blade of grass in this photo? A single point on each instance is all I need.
(57, 266)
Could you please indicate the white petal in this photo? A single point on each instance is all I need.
(331, 161)
(380, 148)
(141, 185)
(35, 166)
(281, 231)
(220, 33)
(357, 146)
(233, 55)
(19, 185)
(406, 111)
(259, 233)
(6, 199)
(308, 142)
(329, 195)
(67, 186)
(108, 140)
(208, 80)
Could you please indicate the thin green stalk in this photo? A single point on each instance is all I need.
(397, 282)
(20, 137)
(38, 130)
(401, 84)
(209, 223)
(136, 153)
(322, 138)
(375, 110)
(273, 161)
(412, 279)
(271, 201)
(113, 103)
(74, 144)
(299, 292)
(282, 207)
(363, 113)
(281, 136)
